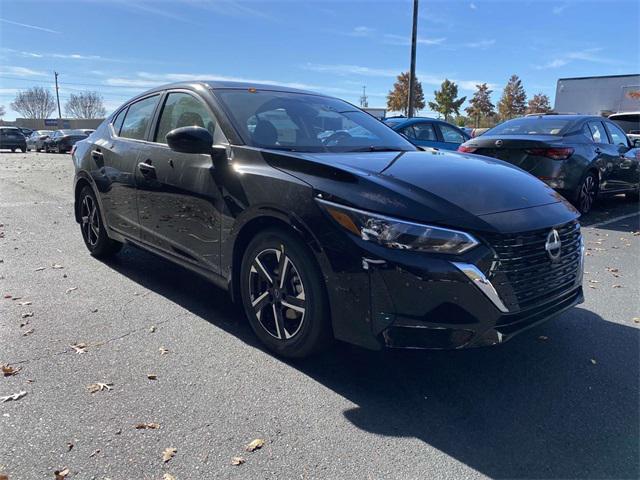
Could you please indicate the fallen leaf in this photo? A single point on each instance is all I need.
(95, 452)
(14, 396)
(145, 426)
(7, 296)
(592, 286)
(168, 454)
(152, 329)
(4, 477)
(98, 387)
(152, 376)
(255, 445)
(94, 310)
(593, 361)
(80, 347)
(24, 304)
(163, 350)
(636, 319)
(594, 281)
(61, 474)
(70, 289)
(612, 270)
(56, 266)
(69, 446)
(27, 332)
(8, 370)
(27, 315)
(617, 286)
(39, 269)
(543, 338)
(168, 476)
(237, 461)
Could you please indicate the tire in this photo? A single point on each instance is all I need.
(28, 150)
(587, 193)
(23, 150)
(13, 150)
(93, 231)
(38, 149)
(303, 329)
(58, 149)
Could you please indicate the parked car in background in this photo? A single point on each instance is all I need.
(629, 122)
(13, 139)
(26, 131)
(323, 222)
(61, 141)
(429, 132)
(36, 140)
(579, 156)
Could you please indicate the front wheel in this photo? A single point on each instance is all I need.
(283, 294)
(587, 193)
(93, 230)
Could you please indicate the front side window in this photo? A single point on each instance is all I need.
(306, 123)
(138, 117)
(425, 132)
(185, 110)
(450, 134)
(618, 137)
(597, 132)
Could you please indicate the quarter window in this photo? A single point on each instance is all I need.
(597, 132)
(618, 137)
(117, 122)
(185, 110)
(450, 134)
(137, 118)
(408, 132)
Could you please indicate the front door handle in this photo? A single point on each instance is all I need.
(598, 151)
(97, 155)
(146, 169)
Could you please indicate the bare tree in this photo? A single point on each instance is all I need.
(37, 102)
(85, 105)
(2, 111)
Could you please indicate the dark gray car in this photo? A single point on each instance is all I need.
(579, 156)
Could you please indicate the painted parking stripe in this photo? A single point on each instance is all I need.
(612, 220)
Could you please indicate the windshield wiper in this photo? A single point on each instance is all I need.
(374, 148)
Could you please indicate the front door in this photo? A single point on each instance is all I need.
(179, 203)
(625, 173)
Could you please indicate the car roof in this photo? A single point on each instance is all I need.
(228, 85)
(563, 117)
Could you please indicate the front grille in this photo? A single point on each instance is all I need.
(524, 275)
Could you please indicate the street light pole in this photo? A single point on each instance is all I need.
(58, 96)
(412, 72)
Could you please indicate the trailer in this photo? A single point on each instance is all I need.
(603, 95)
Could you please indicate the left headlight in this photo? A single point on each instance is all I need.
(398, 234)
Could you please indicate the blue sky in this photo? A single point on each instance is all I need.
(121, 47)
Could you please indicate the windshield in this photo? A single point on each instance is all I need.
(306, 123)
(629, 122)
(531, 126)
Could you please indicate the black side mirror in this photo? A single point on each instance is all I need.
(190, 140)
(635, 143)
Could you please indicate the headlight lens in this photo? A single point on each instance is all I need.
(399, 234)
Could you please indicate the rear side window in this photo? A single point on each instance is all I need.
(185, 110)
(408, 132)
(618, 137)
(450, 134)
(597, 132)
(137, 118)
(117, 122)
(425, 131)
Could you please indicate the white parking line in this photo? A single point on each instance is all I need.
(612, 220)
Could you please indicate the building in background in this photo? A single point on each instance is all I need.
(598, 95)
(55, 124)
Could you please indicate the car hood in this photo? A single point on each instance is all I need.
(433, 186)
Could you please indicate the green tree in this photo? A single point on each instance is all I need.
(480, 106)
(398, 98)
(540, 103)
(513, 102)
(446, 100)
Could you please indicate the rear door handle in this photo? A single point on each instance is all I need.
(97, 155)
(146, 169)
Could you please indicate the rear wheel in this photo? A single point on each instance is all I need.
(94, 232)
(283, 294)
(13, 150)
(23, 150)
(587, 193)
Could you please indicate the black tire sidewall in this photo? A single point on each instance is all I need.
(315, 332)
(579, 192)
(105, 246)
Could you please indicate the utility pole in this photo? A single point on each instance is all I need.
(58, 96)
(364, 101)
(412, 72)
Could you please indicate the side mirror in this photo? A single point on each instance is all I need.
(190, 140)
(635, 143)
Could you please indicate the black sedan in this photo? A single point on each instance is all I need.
(62, 141)
(13, 139)
(579, 156)
(325, 223)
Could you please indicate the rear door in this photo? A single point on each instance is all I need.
(179, 203)
(625, 174)
(422, 134)
(117, 156)
(608, 158)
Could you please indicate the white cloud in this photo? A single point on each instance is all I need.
(481, 43)
(26, 25)
(345, 69)
(21, 71)
(587, 55)
(392, 39)
(362, 31)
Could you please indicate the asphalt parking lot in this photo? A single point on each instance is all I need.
(559, 401)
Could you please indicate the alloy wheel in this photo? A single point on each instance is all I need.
(587, 193)
(90, 221)
(277, 293)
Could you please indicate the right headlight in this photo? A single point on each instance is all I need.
(398, 234)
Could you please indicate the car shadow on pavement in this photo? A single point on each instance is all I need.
(558, 401)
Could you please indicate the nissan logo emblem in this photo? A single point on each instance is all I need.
(553, 245)
(499, 143)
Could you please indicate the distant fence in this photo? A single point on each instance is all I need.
(56, 124)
